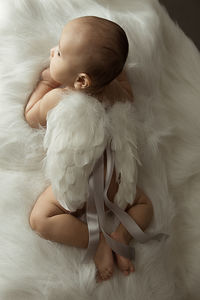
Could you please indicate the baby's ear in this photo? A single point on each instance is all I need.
(82, 81)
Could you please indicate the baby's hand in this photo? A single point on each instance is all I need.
(46, 76)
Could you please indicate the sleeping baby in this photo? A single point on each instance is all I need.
(90, 59)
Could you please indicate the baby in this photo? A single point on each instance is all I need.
(89, 58)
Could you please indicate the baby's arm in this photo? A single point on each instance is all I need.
(38, 113)
(45, 84)
(44, 97)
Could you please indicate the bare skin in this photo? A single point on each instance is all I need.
(47, 217)
(142, 212)
(51, 221)
(63, 74)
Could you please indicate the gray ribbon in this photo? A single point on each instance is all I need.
(96, 217)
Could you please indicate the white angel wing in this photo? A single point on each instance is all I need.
(75, 138)
(123, 129)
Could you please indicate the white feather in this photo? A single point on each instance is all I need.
(77, 133)
(75, 138)
(124, 142)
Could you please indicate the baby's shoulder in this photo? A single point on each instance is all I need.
(49, 101)
(58, 92)
(54, 96)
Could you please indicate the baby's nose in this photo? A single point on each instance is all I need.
(52, 51)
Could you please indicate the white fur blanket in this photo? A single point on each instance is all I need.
(164, 69)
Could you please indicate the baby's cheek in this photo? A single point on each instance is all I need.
(54, 71)
(51, 67)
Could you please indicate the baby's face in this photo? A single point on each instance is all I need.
(67, 57)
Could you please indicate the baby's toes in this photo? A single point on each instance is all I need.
(124, 264)
(98, 277)
(126, 271)
(129, 269)
(106, 274)
(109, 274)
(132, 269)
(124, 268)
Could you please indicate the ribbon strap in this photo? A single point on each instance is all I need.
(96, 217)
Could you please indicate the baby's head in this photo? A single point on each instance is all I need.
(91, 53)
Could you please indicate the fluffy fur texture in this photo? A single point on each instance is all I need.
(164, 69)
(78, 130)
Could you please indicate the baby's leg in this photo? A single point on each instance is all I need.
(141, 212)
(52, 222)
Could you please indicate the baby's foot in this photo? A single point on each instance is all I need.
(124, 264)
(104, 260)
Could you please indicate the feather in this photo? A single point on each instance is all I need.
(122, 119)
(77, 133)
(75, 138)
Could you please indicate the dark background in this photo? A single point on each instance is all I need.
(187, 14)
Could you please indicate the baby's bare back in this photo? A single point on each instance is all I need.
(116, 91)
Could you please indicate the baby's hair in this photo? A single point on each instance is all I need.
(108, 58)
